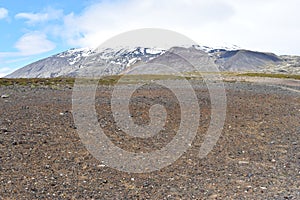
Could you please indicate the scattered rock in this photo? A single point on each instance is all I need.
(4, 96)
(25, 107)
(249, 175)
(242, 162)
(42, 144)
(104, 181)
(4, 130)
(213, 196)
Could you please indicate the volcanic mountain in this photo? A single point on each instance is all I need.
(120, 60)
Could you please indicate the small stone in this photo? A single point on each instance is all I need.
(104, 181)
(249, 175)
(25, 107)
(4, 130)
(213, 196)
(84, 167)
(146, 184)
(4, 96)
(241, 162)
(73, 127)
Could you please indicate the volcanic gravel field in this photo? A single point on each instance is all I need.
(256, 157)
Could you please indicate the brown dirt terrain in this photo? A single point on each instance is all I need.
(256, 157)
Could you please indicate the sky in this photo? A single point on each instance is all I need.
(31, 30)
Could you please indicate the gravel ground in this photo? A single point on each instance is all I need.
(256, 157)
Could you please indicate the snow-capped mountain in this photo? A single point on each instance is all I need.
(117, 61)
(69, 63)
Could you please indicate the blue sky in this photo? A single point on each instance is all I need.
(31, 30)
(18, 27)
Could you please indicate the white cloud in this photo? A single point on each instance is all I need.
(258, 25)
(34, 43)
(5, 71)
(264, 25)
(105, 19)
(31, 43)
(47, 15)
(3, 13)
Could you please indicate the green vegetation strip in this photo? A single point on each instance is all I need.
(128, 79)
(108, 80)
(36, 81)
(292, 76)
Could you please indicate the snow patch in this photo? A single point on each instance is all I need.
(154, 51)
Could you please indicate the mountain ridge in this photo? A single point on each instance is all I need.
(70, 62)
